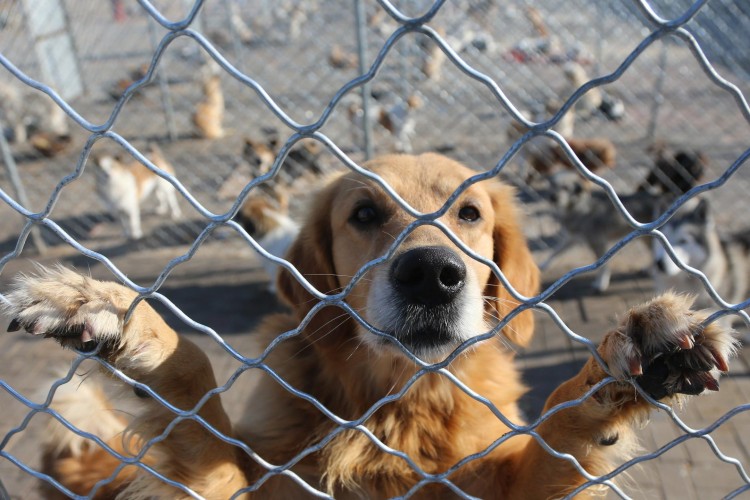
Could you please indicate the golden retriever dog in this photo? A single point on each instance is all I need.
(427, 298)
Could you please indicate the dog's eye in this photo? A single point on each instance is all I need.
(469, 213)
(365, 215)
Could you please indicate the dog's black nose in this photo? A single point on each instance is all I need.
(428, 275)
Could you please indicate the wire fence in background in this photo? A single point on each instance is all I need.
(302, 53)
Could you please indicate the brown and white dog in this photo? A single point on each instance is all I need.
(266, 218)
(123, 186)
(428, 298)
(393, 114)
(675, 171)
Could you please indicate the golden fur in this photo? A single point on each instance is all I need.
(209, 113)
(349, 370)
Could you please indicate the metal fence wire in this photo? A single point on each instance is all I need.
(128, 74)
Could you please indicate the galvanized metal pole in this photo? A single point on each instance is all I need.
(20, 192)
(361, 20)
(166, 98)
(230, 10)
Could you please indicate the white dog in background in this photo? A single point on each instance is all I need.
(124, 186)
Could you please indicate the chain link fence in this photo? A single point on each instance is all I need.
(283, 68)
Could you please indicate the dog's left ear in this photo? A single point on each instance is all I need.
(513, 257)
(311, 254)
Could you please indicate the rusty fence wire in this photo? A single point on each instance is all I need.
(129, 73)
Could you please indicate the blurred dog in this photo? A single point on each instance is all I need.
(588, 216)
(339, 58)
(394, 114)
(266, 218)
(695, 238)
(596, 154)
(675, 172)
(124, 186)
(35, 119)
(302, 165)
(544, 157)
(209, 112)
(596, 99)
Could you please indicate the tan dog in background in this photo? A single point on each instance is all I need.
(209, 113)
(429, 297)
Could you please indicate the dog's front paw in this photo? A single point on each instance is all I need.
(664, 347)
(75, 310)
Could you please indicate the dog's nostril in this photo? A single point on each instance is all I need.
(452, 275)
(406, 272)
(428, 275)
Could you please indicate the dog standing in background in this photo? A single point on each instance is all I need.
(675, 171)
(208, 116)
(123, 186)
(393, 114)
(695, 238)
(266, 218)
(588, 216)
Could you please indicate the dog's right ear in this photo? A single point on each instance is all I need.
(513, 257)
(311, 254)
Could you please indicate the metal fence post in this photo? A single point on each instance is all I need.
(229, 10)
(658, 93)
(20, 192)
(166, 98)
(361, 20)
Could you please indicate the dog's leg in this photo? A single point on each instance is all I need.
(130, 215)
(660, 346)
(174, 206)
(81, 312)
(167, 200)
(604, 274)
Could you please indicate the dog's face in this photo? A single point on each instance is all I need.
(259, 155)
(688, 232)
(259, 214)
(430, 295)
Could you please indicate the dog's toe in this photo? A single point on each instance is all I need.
(59, 304)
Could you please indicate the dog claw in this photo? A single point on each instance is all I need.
(685, 342)
(634, 365)
(86, 336)
(721, 363)
(711, 383)
(14, 325)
